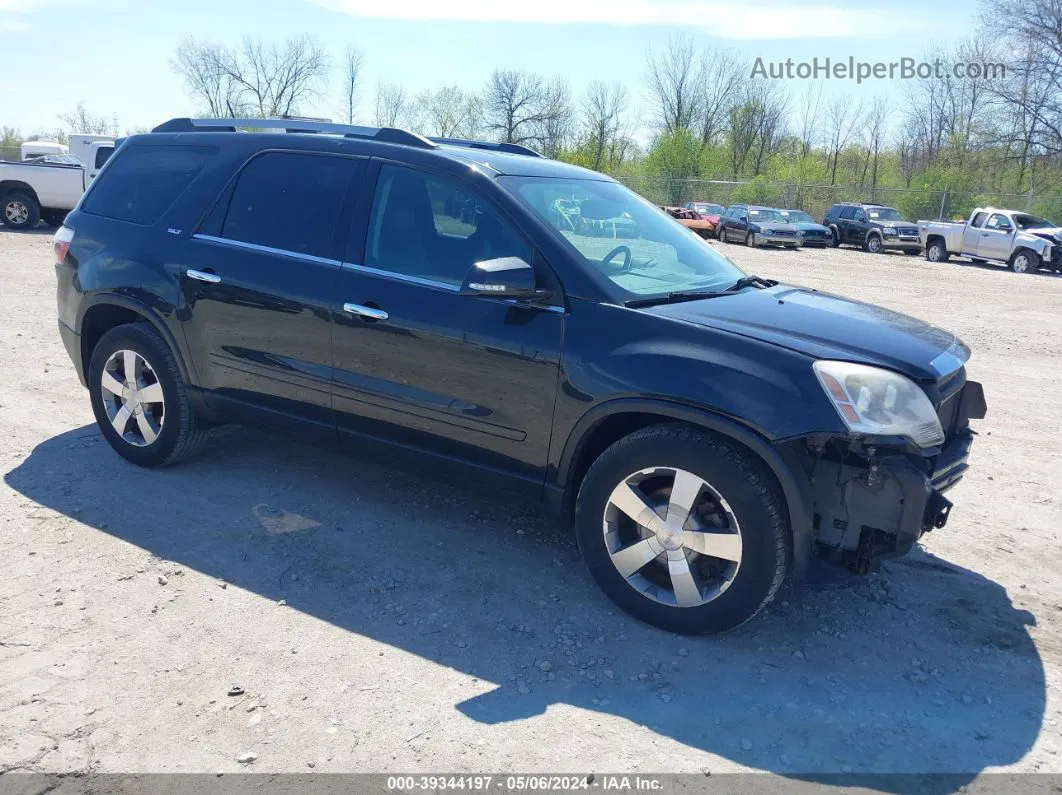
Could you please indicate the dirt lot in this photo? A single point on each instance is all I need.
(377, 622)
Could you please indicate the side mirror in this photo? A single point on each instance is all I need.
(504, 277)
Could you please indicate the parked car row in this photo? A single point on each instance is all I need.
(1020, 241)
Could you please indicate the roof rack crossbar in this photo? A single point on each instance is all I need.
(512, 149)
(391, 135)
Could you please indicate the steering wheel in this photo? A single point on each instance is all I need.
(628, 257)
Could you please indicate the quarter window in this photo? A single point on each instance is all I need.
(290, 201)
(430, 228)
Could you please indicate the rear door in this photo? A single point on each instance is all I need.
(258, 282)
(971, 233)
(416, 363)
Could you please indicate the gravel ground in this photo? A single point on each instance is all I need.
(371, 621)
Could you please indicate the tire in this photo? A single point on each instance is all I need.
(744, 494)
(873, 245)
(722, 235)
(178, 432)
(936, 251)
(1025, 261)
(750, 240)
(53, 218)
(835, 238)
(20, 211)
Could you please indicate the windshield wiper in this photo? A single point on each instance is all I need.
(673, 298)
(696, 295)
(751, 281)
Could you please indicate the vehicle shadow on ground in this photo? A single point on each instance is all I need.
(926, 669)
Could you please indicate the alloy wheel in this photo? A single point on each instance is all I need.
(934, 253)
(133, 398)
(16, 213)
(1021, 263)
(672, 536)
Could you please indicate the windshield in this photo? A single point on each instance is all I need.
(1032, 222)
(707, 209)
(637, 247)
(799, 217)
(763, 215)
(883, 214)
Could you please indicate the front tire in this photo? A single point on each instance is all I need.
(20, 211)
(1025, 261)
(683, 529)
(873, 245)
(750, 240)
(139, 398)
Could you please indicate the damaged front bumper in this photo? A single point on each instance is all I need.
(872, 501)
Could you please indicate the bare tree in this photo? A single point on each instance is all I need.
(673, 82)
(512, 105)
(474, 120)
(556, 118)
(82, 120)
(842, 120)
(721, 76)
(393, 108)
(603, 108)
(755, 127)
(444, 111)
(353, 63)
(875, 128)
(809, 118)
(255, 78)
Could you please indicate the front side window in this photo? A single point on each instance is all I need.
(640, 249)
(290, 201)
(999, 223)
(431, 228)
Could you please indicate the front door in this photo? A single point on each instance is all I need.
(258, 278)
(996, 239)
(416, 363)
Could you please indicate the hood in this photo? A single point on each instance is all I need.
(777, 226)
(1054, 233)
(825, 326)
(807, 226)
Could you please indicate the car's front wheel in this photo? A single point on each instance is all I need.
(139, 398)
(683, 529)
(1025, 261)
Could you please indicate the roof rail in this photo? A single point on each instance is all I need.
(391, 135)
(512, 149)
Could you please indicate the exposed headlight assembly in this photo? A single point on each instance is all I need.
(880, 402)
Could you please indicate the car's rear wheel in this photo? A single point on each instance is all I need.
(936, 251)
(20, 211)
(139, 398)
(683, 530)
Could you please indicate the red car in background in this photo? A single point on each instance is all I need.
(701, 218)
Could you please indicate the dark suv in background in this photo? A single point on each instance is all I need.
(425, 303)
(873, 227)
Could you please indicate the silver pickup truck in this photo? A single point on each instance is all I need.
(1022, 242)
(47, 188)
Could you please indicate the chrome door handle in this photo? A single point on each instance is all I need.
(202, 276)
(365, 311)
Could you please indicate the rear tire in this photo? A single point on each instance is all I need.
(20, 211)
(936, 251)
(149, 405)
(736, 502)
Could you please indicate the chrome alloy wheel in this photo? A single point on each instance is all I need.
(16, 213)
(672, 536)
(1022, 263)
(132, 397)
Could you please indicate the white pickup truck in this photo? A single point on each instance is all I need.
(47, 190)
(1018, 240)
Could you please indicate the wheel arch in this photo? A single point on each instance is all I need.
(105, 311)
(607, 423)
(16, 186)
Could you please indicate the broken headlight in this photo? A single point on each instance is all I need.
(880, 402)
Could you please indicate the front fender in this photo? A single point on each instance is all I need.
(1032, 242)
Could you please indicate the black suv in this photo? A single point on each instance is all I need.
(872, 227)
(422, 302)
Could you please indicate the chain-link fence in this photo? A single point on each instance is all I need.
(816, 199)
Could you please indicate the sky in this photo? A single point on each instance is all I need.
(115, 55)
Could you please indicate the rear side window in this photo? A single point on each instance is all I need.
(290, 201)
(978, 219)
(848, 212)
(143, 181)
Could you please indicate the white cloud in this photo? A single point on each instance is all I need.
(724, 20)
